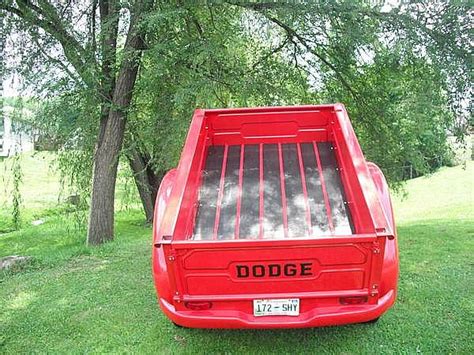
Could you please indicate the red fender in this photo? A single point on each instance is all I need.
(390, 270)
(160, 273)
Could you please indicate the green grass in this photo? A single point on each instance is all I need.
(75, 299)
(40, 188)
(447, 194)
(42, 195)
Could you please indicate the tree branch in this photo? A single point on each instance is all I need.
(259, 6)
(108, 38)
(58, 62)
(93, 40)
(272, 52)
(49, 21)
(293, 34)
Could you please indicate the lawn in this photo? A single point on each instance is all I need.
(75, 299)
(40, 188)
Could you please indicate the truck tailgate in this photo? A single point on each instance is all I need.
(277, 267)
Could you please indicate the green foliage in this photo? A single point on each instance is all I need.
(67, 123)
(399, 91)
(208, 58)
(16, 193)
(12, 181)
(18, 119)
(389, 66)
(127, 192)
(403, 72)
(39, 188)
(402, 117)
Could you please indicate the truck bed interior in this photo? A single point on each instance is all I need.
(269, 173)
(271, 191)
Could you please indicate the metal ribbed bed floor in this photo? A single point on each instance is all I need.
(271, 191)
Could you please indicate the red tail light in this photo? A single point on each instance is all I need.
(198, 306)
(353, 300)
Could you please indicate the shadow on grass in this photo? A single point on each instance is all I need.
(60, 239)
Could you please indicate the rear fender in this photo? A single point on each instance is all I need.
(160, 273)
(389, 277)
(162, 197)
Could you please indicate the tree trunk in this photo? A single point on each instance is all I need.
(105, 166)
(109, 20)
(101, 218)
(146, 179)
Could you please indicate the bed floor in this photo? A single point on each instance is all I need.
(271, 191)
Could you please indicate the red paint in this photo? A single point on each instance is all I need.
(221, 193)
(260, 200)
(239, 196)
(305, 191)
(347, 278)
(284, 207)
(323, 188)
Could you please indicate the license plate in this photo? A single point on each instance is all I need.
(276, 307)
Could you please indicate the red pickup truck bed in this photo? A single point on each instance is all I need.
(297, 188)
(273, 218)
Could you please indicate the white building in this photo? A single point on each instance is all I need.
(13, 139)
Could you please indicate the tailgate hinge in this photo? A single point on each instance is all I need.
(166, 239)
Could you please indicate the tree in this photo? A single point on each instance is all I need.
(404, 71)
(113, 118)
(113, 87)
(206, 59)
(177, 56)
(98, 79)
